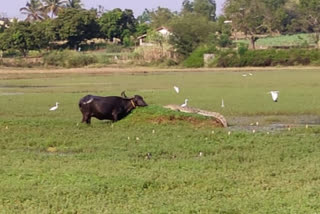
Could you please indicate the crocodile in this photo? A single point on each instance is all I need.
(219, 117)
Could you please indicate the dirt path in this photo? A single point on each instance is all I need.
(126, 69)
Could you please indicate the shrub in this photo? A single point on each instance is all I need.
(242, 49)
(227, 58)
(55, 58)
(195, 60)
(269, 57)
(80, 60)
(11, 53)
(114, 48)
(69, 59)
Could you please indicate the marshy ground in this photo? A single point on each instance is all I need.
(156, 160)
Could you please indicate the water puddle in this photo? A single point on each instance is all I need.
(272, 123)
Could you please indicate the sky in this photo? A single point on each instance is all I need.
(11, 8)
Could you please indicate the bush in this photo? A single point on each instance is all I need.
(195, 60)
(269, 57)
(11, 53)
(227, 58)
(114, 48)
(69, 59)
(242, 49)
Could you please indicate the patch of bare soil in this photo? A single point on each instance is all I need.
(197, 122)
(135, 69)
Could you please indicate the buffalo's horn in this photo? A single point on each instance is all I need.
(123, 94)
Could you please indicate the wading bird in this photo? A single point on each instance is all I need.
(176, 89)
(222, 103)
(274, 95)
(54, 107)
(185, 103)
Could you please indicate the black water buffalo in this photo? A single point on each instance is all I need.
(108, 108)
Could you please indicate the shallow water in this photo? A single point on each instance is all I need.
(272, 123)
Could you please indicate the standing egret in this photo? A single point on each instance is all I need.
(54, 107)
(185, 103)
(222, 103)
(176, 89)
(274, 95)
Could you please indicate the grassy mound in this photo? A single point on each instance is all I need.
(159, 115)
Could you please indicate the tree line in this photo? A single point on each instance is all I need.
(50, 21)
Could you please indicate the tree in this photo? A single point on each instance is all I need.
(17, 37)
(74, 4)
(160, 17)
(190, 31)
(76, 26)
(247, 16)
(33, 10)
(187, 6)
(42, 33)
(311, 13)
(275, 15)
(145, 17)
(53, 6)
(205, 8)
(117, 24)
(141, 29)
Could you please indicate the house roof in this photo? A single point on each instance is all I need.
(142, 36)
(158, 29)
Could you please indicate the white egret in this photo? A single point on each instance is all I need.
(244, 75)
(185, 103)
(176, 89)
(54, 107)
(222, 103)
(274, 95)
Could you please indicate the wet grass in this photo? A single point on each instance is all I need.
(52, 164)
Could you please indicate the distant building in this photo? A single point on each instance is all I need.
(163, 31)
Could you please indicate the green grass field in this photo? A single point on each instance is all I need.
(52, 164)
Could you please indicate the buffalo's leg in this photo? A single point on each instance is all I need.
(115, 117)
(88, 121)
(83, 118)
(86, 118)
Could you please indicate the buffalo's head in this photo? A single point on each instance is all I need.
(138, 101)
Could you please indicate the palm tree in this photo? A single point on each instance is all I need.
(74, 4)
(33, 10)
(53, 6)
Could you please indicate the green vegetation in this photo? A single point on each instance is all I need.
(53, 25)
(269, 57)
(51, 164)
(195, 60)
(69, 59)
(296, 40)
